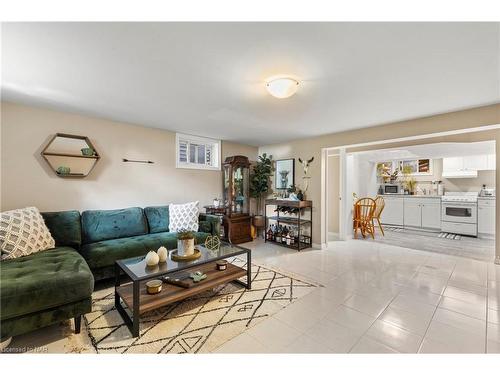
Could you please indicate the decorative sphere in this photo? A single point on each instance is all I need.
(152, 259)
(162, 254)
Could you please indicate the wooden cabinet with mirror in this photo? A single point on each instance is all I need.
(70, 155)
(236, 196)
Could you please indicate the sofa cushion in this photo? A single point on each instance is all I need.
(23, 232)
(184, 216)
(158, 218)
(105, 253)
(205, 226)
(101, 225)
(65, 227)
(43, 280)
(214, 221)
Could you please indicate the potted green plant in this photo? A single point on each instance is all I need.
(185, 242)
(259, 185)
(409, 182)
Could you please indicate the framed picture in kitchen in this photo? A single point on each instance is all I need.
(284, 177)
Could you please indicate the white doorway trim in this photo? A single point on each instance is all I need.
(338, 154)
(342, 151)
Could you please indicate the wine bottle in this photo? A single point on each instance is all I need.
(283, 235)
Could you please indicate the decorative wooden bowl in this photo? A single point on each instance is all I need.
(185, 258)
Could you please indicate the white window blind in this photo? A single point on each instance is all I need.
(197, 152)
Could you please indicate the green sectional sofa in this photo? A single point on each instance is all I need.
(55, 285)
(118, 234)
(49, 286)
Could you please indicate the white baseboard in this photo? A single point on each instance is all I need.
(320, 246)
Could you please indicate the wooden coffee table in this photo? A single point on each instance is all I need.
(133, 293)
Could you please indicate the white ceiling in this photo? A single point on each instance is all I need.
(431, 151)
(208, 78)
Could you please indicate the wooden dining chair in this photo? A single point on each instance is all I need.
(379, 207)
(363, 217)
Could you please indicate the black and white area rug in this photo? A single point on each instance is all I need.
(199, 324)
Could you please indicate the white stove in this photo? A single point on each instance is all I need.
(459, 213)
(459, 196)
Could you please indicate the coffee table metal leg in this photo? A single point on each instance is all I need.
(135, 327)
(117, 284)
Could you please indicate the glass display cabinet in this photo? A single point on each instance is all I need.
(236, 196)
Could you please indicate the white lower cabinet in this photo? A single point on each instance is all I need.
(486, 217)
(393, 211)
(406, 211)
(413, 214)
(422, 213)
(431, 214)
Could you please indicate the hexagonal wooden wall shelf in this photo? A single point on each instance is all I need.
(70, 155)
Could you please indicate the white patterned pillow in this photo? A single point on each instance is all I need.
(23, 232)
(183, 216)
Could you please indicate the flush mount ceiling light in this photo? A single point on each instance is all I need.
(282, 87)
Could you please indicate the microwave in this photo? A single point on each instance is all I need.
(392, 189)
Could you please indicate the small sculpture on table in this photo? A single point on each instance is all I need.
(198, 276)
(212, 243)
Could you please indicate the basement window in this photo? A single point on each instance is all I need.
(197, 152)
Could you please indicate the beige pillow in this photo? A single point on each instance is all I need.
(23, 232)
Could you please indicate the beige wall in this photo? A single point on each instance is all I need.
(27, 180)
(476, 117)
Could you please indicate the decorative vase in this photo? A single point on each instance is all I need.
(88, 151)
(63, 170)
(185, 247)
(162, 254)
(300, 196)
(152, 259)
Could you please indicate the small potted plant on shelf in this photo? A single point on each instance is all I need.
(409, 182)
(185, 242)
(259, 185)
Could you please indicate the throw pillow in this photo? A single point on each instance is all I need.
(23, 232)
(183, 216)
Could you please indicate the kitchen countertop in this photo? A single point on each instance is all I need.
(487, 198)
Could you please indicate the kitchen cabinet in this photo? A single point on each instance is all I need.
(422, 213)
(463, 166)
(431, 214)
(453, 164)
(412, 213)
(475, 162)
(486, 217)
(393, 211)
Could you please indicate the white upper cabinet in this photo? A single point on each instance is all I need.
(475, 162)
(467, 166)
(453, 164)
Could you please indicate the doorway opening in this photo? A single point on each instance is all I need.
(424, 185)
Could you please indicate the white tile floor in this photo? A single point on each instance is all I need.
(379, 298)
(376, 298)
